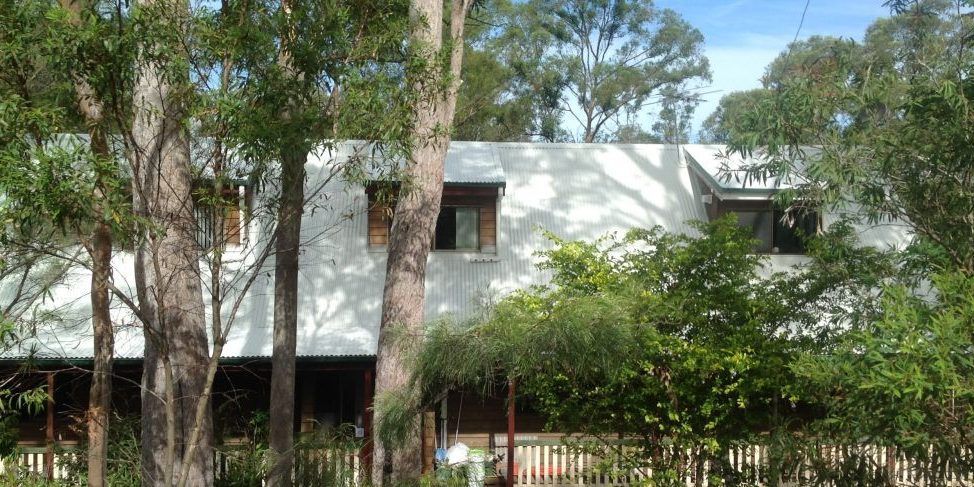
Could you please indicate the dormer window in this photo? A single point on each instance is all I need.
(467, 219)
(723, 190)
(457, 228)
(776, 232)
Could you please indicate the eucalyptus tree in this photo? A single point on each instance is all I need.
(510, 91)
(822, 60)
(874, 112)
(715, 129)
(167, 258)
(99, 66)
(433, 72)
(169, 76)
(51, 58)
(616, 54)
(545, 66)
(285, 79)
(311, 75)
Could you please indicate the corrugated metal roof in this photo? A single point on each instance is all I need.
(578, 191)
(475, 164)
(723, 172)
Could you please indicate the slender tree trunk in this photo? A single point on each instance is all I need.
(100, 251)
(404, 294)
(99, 400)
(285, 317)
(287, 245)
(168, 275)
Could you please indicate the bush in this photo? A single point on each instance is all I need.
(124, 456)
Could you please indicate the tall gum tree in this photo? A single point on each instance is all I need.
(287, 247)
(50, 65)
(99, 247)
(167, 256)
(404, 292)
(617, 54)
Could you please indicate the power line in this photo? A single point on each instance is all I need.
(802, 21)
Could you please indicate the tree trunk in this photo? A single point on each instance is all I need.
(99, 400)
(285, 318)
(404, 294)
(287, 245)
(100, 251)
(168, 275)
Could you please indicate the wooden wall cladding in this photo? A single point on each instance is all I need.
(380, 219)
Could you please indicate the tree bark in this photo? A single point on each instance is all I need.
(404, 293)
(286, 254)
(100, 251)
(285, 318)
(168, 274)
(99, 400)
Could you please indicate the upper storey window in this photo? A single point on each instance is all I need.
(226, 212)
(776, 232)
(722, 190)
(457, 228)
(467, 220)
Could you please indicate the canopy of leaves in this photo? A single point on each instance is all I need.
(905, 379)
(820, 61)
(890, 125)
(545, 68)
(509, 91)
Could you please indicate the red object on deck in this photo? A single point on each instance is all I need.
(369, 392)
(49, 454)
(511, 469)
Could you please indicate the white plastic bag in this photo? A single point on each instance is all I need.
(457, 454)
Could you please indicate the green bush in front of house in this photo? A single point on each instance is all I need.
(681, 343)
(688, 348)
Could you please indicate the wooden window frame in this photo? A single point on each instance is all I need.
(380, 215)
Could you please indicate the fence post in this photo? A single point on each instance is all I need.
(511, 385)
(368, 396)
(49, 433)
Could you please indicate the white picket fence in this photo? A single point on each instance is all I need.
(30, 461)
(549, 463)
(338, 467)
(335, 467)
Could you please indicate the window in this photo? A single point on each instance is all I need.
(457, 228)
(759, 222)
(467, 220)
(777, 235)
(208, 210)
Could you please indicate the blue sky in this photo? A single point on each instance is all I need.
(743, 36)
